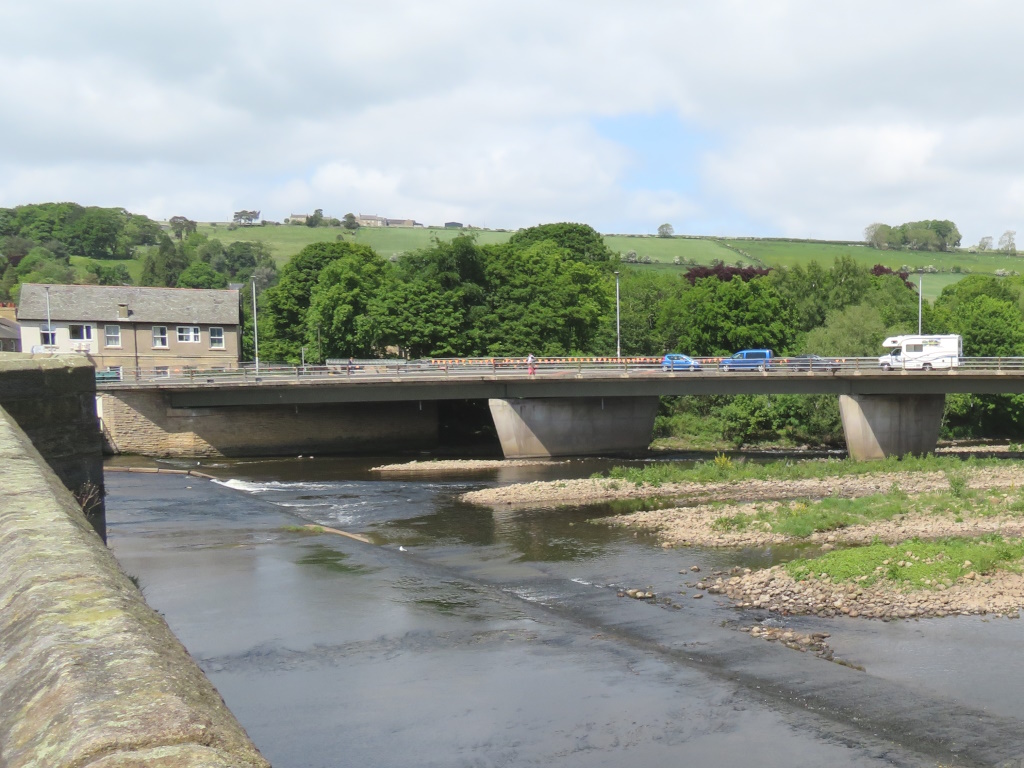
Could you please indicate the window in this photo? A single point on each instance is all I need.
(188, 334)
(113, 335)
(49, 335)
(216, 338)
(915, 347)
(162, 370)
(160, 337)
(80, 332)
(115, 372)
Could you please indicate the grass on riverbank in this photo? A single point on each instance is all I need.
(801, 519)
(724, 469)
(914, 564)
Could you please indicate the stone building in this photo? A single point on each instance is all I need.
(122, 329)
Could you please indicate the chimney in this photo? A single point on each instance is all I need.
(122, 311)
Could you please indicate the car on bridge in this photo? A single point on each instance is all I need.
(747, 360)
(677, 362)
(812, 363)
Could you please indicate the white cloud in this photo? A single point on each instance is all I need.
(821, 118)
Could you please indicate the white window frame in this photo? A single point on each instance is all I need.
(112, 335)
(158, 336)
(116, 369)
(189, 334)
(86, 331)
(217, 339)
(48, 331)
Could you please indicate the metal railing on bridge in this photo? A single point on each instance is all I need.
(368, 370)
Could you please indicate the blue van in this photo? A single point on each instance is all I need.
(747, 359)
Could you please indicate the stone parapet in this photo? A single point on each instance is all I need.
(91, 676)
(53, 399)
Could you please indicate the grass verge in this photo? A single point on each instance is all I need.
(914, 564)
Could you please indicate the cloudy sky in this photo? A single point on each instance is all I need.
(759, 117)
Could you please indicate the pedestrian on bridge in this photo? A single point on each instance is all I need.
(531, 364)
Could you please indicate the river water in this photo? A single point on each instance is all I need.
(471, 636)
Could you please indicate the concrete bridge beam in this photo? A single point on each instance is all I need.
(573, 426)
(877, 426)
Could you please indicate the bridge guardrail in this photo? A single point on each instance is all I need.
(385, 369)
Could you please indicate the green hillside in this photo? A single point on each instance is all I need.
(286, 240)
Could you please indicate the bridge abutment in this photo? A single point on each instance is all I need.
(877, 426)
(573, 426)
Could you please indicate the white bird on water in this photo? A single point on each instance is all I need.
(402, 549)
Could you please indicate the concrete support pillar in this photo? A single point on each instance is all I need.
(573, 426)
(878, 426)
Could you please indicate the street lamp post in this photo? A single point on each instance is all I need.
(255, 332)
(618, 332)
(920, 291)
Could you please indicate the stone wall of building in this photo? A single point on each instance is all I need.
(142, 422)
(53, 398)
(92, 677)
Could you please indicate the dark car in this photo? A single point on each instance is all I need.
(813, 363)
(676, 362)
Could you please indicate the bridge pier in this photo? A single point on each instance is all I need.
(877, 426)
(573, 426)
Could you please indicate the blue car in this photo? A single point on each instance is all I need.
(679, 363)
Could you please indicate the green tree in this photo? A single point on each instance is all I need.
(541, 300)
(340, 302)
(856, 331)
(162, 267)
(201, 275)
(108, 274)
(666, 230)
(350, 222)
(316, 219)
(714, 318)
(181, 226)
(287, 302)
(582, 242)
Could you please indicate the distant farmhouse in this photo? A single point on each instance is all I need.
(297, 218)
(368, 220)
(125, 328)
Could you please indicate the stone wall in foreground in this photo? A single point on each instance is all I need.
(53, 398)
(90, 676)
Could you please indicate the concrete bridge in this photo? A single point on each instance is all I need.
(568, 407)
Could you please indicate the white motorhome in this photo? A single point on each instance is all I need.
(922, 353)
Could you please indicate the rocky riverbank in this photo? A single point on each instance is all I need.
(595, 490)
(1001, 593)
(462, 465)
(774, 589)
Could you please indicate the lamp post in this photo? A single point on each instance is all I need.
(255, 332)
(618, 332)
(920, 292)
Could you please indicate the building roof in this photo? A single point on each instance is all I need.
(9, 330)
(99, 303)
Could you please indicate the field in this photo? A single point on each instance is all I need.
(666, 249)
(285, 241)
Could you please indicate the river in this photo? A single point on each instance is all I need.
(467, 636)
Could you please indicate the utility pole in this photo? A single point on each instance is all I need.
(618, 332)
